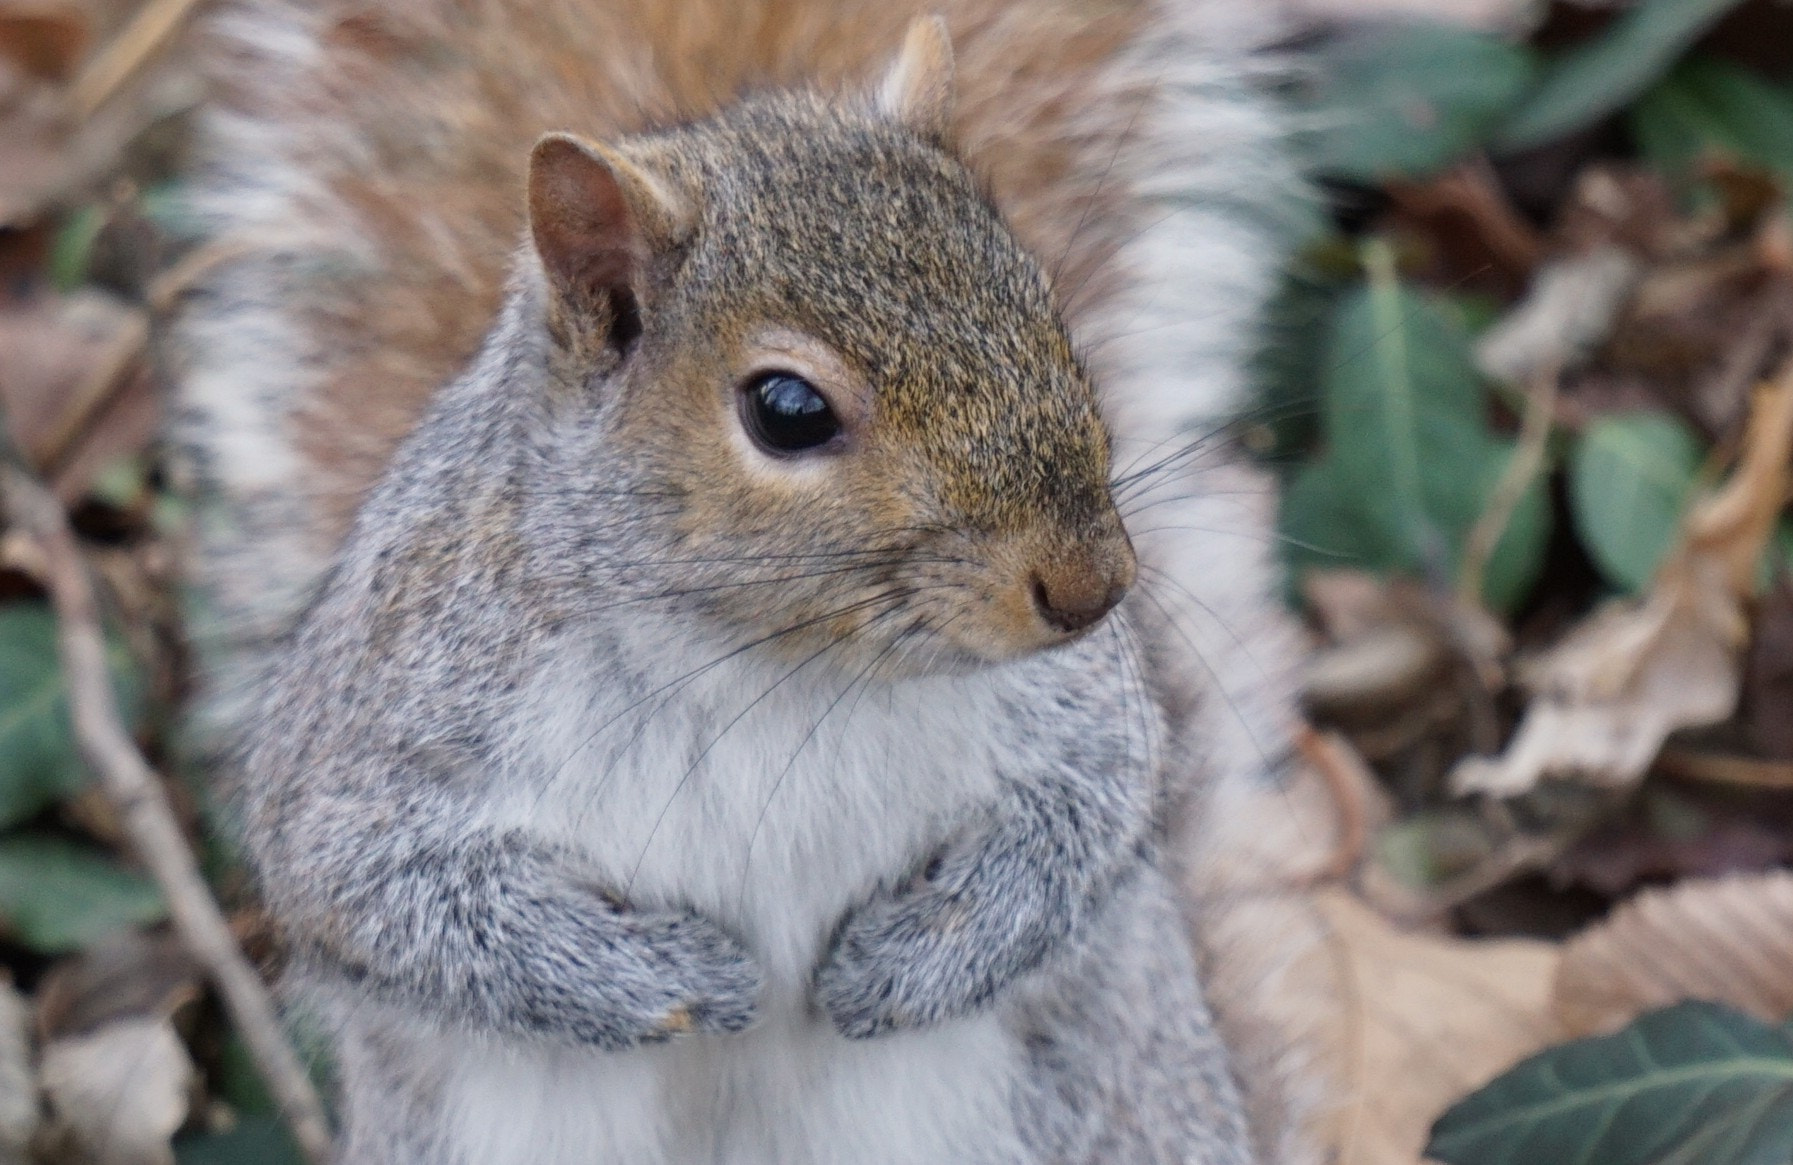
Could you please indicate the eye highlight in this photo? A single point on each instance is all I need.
(784, 414)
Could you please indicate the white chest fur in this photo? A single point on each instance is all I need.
(770, 801)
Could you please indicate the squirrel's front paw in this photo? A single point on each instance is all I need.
(646, 978)
(707, 981)
(905, 961)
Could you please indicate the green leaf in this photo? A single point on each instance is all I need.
(1777, 556)
(257, 1140)
(1288, 364)
(1518, 556)
(39, 763)
(240, 1083)
(1595, 79)
(1410, 462)
(1408, 99)
(1708, 105)
(1432, 846)
(1629, 480)
(57, 896)
(1401, 388)
(1694, 1084)
(72, 251)
(1323, 525)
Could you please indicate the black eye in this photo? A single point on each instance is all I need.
(785, 413)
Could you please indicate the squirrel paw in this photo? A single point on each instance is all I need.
(667, 975)
(905, 961)
(710, 984)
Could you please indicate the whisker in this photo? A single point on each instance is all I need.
(667, 691)
(685, 779)
(777, 784)
(1170, 580)
(1215, 683)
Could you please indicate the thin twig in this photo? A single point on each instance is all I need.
(166, 289)
(1515, 479)
(1346, 776)
(1474, 191)
(148, 818)
(148, 33)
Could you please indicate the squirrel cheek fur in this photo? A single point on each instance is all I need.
(632, 791)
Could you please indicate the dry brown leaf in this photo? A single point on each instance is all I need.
(1385, 1028)
(1389, 639)
(139, 46)
(1346, 603)
(1568, 311)
(1608, 696)
(73, 386)
(1473, 231)
(36, 127)
(1688, 313)
(50, 150)
(46, 38)
(1367, 676)
(131, 974)
(1724, 939)
(120, 1092)
(1418, 1021)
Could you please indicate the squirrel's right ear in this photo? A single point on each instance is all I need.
(598, 219)
(917, 90)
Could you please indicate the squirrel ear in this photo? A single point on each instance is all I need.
(917, 90)
(597, 220)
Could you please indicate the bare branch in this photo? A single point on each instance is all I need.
(143, 807)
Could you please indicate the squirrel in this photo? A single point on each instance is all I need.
(727, 614)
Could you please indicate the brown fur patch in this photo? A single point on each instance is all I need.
(444, 105)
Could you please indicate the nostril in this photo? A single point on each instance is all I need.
(1074, 608)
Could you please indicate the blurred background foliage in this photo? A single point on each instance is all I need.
(1527, 378)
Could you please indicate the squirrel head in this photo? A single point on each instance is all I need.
(807, 338)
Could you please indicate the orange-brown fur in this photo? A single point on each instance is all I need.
(444, 115)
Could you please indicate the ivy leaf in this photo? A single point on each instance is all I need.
(1409, 460)
(1693, 1084)
(1407, 99)
(39, 763)
(1707, 105)
(240, 1081)
(1290, 358)
(1630, 476)
(1595, 79)
(72, 251)
(256, 1140)
(57, 896)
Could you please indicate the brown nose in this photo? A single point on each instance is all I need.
(1073, 595)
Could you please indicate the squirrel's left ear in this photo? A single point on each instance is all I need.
(917, 90)
(598, 221)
